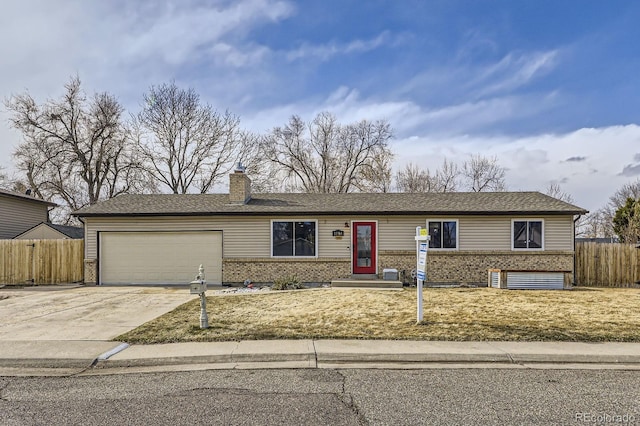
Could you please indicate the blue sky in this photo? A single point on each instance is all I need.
(551, 88)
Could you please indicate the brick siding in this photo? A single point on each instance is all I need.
(471, 267)
(442, 267)
(265, 270)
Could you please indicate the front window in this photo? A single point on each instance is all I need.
(293, 238)
(443, 233)
(527, 234)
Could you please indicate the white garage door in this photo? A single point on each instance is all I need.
(159, 257)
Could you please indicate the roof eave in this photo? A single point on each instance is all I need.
(28, 198)
(337, 213)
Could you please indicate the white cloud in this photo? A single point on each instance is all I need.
(328, 50)
(225, 54)
(535, 161)
(426, 137)
(475, 81)
(409, 118)
(124, 47)
(175, 33)
(513, 71)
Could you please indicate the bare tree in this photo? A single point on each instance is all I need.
(616, 201)
(264, 177)
(482, 174)
(186, 145)
(554, 190)
(74, 149)
(324, 156)
(594, 225)
(586, 226)
(628, 190)
(599, 223)
(376, 174)
(414, 179)
(4, 179)
(447, 176)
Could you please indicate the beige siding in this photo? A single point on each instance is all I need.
(251, 236)
(242, 237)
(18, 215)
(494, 233)
(42, 232)
(475, 233)
(330, 246)
(479, 233)
(558, 232)
(397, 233)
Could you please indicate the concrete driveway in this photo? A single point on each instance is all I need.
(82, 313)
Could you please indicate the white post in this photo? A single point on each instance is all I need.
(199, 286)
(418, 280)
(204, 318)
(422, 244)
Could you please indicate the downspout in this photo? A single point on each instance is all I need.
(84, 248)
(574, 249)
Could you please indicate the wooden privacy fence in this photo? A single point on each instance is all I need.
(607, 265)
(41, 261)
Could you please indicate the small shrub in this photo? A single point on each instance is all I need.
(287, 283)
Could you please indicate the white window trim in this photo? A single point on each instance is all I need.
(528, 219)
(292, 220)
(457, 233)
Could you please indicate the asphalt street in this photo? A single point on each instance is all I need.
(327, 396)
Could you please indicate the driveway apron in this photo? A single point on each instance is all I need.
(83, 313)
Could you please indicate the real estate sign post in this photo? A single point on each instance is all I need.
(422, 246)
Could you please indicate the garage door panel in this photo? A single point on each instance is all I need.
(159, 257)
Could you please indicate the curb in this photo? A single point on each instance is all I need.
(54, 363)
(312, 354)
(205, 359)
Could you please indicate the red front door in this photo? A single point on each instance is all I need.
(364, 247)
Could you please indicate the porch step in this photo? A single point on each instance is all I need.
(360, 283)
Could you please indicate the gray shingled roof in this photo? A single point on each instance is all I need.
(70, 231)
(25, 197)
(74, 232)
(458, 203)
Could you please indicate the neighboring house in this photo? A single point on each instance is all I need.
(320, 237)
(51, 231)
(19, 212)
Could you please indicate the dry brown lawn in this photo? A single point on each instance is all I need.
(464, 314)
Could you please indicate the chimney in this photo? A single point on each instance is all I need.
(239, 186)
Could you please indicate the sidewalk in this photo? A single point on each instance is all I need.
(63, 331)
(103, 357)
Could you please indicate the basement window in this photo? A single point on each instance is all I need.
(527, 234)
(293, 238)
